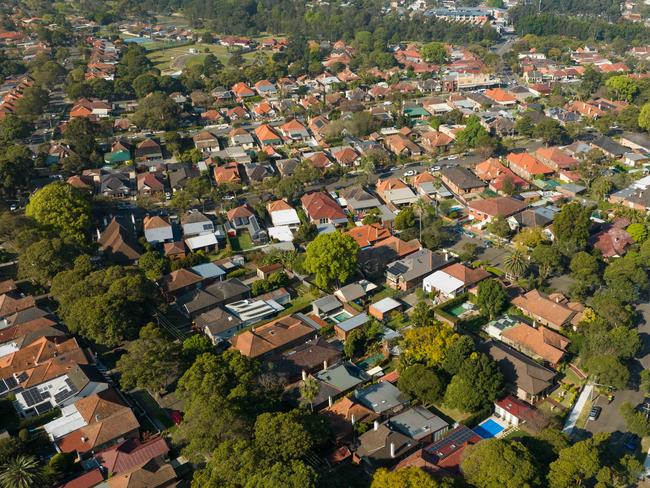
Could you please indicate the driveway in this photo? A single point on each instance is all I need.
(610, 419)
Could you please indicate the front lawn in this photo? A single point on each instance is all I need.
(242, 242)
(450, 414)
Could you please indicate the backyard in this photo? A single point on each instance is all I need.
(242, 242)
(176, 57)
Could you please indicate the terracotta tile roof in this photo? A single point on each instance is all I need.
(273, 336)
(390, 184)
(12, 302)
(503, 206)
(278, 205)
(155, 222)
(539, 304)
(42, 360)
(86, 480)
(150, 180)
(465, 274)
(153, 474)
(500, 95)
(227, 173)
(541, 341)
(528, 163)
(179, 279)
(320, 205)
(292, 125)
(239, 212)
(319, 160)
(108, 419)
(346, 156)
(266, 133)
(489, 169)
(613, 242)
(172, 248)
(397, 246)
(436, 139)
(367, 235)
(131, 453)
(118, 242)
(556, 156)
(423, 178)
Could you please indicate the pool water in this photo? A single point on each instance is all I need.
(136, 40)
(370, 361)
(458, 310)
(488, 429)
(341, 317)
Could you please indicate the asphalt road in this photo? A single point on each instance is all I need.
(610, 419)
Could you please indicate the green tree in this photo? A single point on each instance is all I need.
(22, 471)
(457, 353)
(411, 477)
(622, 87)
(644, 117)
(608, 370)
(585, 269)
(44, 259)
(625, 278)
(550, 131)
(428, 344)
(421, 383)
(32, 103)
(157, 111)
(578, 464)
(638, 232)
(434, 52)
(151, 361)
(332, 258)
(154, 265)
(13, 128)
(16, 169)
(571, 227)
(405, 219)
(515, 264)
(281, 436)
(145, 84)
(62, 209)
(636, 422)
(309, 389)
(422, 315)
(499, 462)
(499, 227)
(491, 298)
(548, 260)
(80, 133)
(478, 382)
(194, 346)
(354, 343)
(472, 133)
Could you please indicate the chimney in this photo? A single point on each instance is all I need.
(392, 449)
(446, 256)
(84, 439)
(304, 375)
(375, 425)
(325, 365)
(353, 419)
(329, 400)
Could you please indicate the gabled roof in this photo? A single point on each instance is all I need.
(118, 243)
(502, 206)
(131, 453)
(540, 305)
(179, 279)
(528, 163)
(273, 336)
(367, 235)
(465, 274)
(320, 205)
(243, 211)
(541, 341)
(155, 222)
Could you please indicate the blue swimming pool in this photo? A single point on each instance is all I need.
(488, 429)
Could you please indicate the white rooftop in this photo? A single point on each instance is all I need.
(70, 421)
(281, 233)
(285, 217)
(442, 282)
(200, 241)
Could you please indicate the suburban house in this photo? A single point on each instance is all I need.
(242, 218)
(148, 150)
(118, 244)
(344, 414)
(612, 242)
(312, 356)
(498, 176)
(445, 455)
(435, 141)
(228, 173)
(150, 183)
(367, 235)
(409, 272)
(518, 413)
(555, 158)
(385, 308)
(283, 214)
(92, 424)
(179, 281)
(381, 446)
(323, 209)
(540, 343)
(274, 337)
(267, 135)
(218, 324)
(395, 192)
(454, 280)
(550, 310)
(157, 230)
(195, 223)
(199, 300)
(359, 200)
(527, 166)
(383, 398)
(528, 380)
(487, 209)
(401, 145)
(501, 97)
(294, 130)
(462, 181)
(206, 142)
(419, 424)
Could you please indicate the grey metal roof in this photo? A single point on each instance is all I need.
(327, 304)
(354, 322)
(343, 377)
(417, 422)
(380, 397)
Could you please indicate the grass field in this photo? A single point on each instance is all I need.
(174, 58)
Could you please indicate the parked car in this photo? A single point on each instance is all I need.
(435, 168)
(594, 413)
(410, 172)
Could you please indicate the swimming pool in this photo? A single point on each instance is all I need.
(459, 310)
(341, 317)
(489, 429)
(136, 40)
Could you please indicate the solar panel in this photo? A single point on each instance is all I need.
(63, 395)
(3, 387)
(68, 382)
(43, 407)
(33, 396)
(22, 377)
(11, 382)
(457, 437)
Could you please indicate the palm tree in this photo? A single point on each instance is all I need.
(309, 390)
(21, 472)
(420, 207)
(515, 264)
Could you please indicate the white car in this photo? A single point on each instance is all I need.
(435, 168)
(410, 172)
(452, 157)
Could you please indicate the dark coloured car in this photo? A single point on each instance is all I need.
(594, 413)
